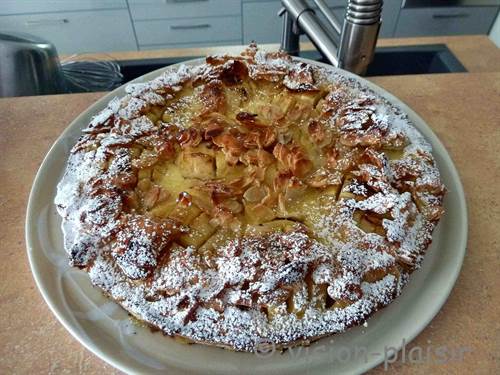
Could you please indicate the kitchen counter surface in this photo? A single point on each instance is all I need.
(463, 110)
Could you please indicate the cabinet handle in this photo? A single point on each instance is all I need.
(456, 15)
(184, 1)
(187, 27)
(46, 22)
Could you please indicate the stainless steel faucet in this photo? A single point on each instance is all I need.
(349, 46)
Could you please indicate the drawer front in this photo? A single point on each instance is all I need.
(44, 6)
(445, 21)
(166, 9)
(204, 29)
(190, 45)
(77, 32)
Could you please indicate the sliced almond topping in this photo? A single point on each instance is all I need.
(255, 194)
(189, 137)
(294, 189)
(256, 172)
(272, 113)
(125, 180)
(218, 191)
(165, 150)
(281, 180)
(248, 119)
(300, 165)
(318, 179)
(318, 133)
(213, 130)
(231, 146)
(293, 158)
(281, 153)
(252, 140)
(270, 199)
(239, 185)
(268, 137)
(300, 78)
(232, 205)
(264, 158)
(185, 199)
(151, 197)
(130, 199)
(233, 72)
(212, 97)
(147, 159)
(331, 158)
(250, 157)
(335, 100)
(224, 218)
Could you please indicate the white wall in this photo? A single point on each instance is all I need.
(495, 31)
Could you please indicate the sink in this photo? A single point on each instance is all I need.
(423, 59)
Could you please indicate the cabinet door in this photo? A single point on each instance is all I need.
(146, 47)
(166, 9)
(188, 30)
(445, 21)
(43, 6)
(77, 32)
(262, 24)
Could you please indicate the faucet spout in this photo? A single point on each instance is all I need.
(300, 18)
(358, 34)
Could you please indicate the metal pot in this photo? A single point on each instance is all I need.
(29, 66)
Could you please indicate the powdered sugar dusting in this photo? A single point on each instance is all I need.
(287, 286)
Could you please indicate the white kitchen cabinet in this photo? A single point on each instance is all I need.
(77, 26)
(185, 22)
(262, 24)
(77, 32)
(390, 15)
(167, 9)
(45, 6)
(146, 47)
(445, 21)
(188, 30)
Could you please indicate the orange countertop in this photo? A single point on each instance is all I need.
(463, 109)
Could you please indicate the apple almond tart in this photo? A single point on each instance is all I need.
(248, 199)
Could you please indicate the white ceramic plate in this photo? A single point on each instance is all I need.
(105, 329)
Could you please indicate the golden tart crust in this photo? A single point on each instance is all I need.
(250, 199)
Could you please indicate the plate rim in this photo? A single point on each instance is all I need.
(97, 106)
